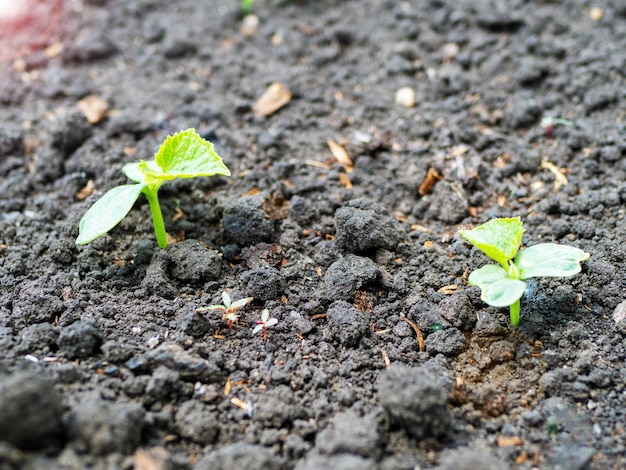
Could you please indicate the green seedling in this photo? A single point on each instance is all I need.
(246, 6)
(502, 284)
(229, 308)
(264, 323)
(548, 123)
(183, 155)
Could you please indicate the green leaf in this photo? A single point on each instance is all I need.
(183, 155)
(550, 260)
(107, 212)
(226, 299)
(211, 307)
(132, 171)
(241, 302)
(498, 290)
(499, 239)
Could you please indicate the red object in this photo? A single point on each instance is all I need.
(26, 25)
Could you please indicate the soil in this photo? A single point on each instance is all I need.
(383, 357)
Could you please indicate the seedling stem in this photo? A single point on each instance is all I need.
(157, 217)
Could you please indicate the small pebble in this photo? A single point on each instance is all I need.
(619, 317)
(450, 50)
(249, 25)
(405, 96)
(596, 13)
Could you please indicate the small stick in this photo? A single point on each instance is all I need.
(420, 338)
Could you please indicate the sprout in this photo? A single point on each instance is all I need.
(502, 284)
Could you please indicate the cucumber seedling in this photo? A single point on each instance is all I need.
(182, 155)
(502, 284)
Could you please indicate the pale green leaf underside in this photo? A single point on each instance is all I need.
(498, 290)
(499, 239)
(550, 260)
(107, 212)
(241, 302)
(132, 171)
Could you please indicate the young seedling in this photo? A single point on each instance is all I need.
(502, 284)
(548, 123)
(264, 323)
(183, 155)
(229, 308)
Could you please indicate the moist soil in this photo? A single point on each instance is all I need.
(340, 218)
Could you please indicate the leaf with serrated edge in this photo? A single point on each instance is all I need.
(185, 155)
(497, 289)
(550, 260)
(107, 212)
(499, 239)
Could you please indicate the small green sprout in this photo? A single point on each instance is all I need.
(264, 323)
(548, 123)
(230, 315)
(246, 6)
(183, 155)
(503, 285)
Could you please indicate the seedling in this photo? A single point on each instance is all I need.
(548, 123)
(264, 323)
(229, 308)
(503, 285)
(183, 155)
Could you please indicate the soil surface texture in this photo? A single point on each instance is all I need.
(361, 136)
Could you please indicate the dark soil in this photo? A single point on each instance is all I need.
(105, 363)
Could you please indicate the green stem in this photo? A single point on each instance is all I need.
(515, 307)
(157, 217)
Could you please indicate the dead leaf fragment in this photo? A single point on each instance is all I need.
(275, 97)
(252, 192)
(94, 108)
(239, 403)
(179, 214)
(86, 191)
(275, 206)
(386, 358)
(155, 458)
(341, 155)
(509, 441)
(559, 173)
(418, 332)
(448, 290)
(315, 163)
(429, 182)
(362, 301)
(53, 49)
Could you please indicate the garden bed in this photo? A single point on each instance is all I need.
(340, 218)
